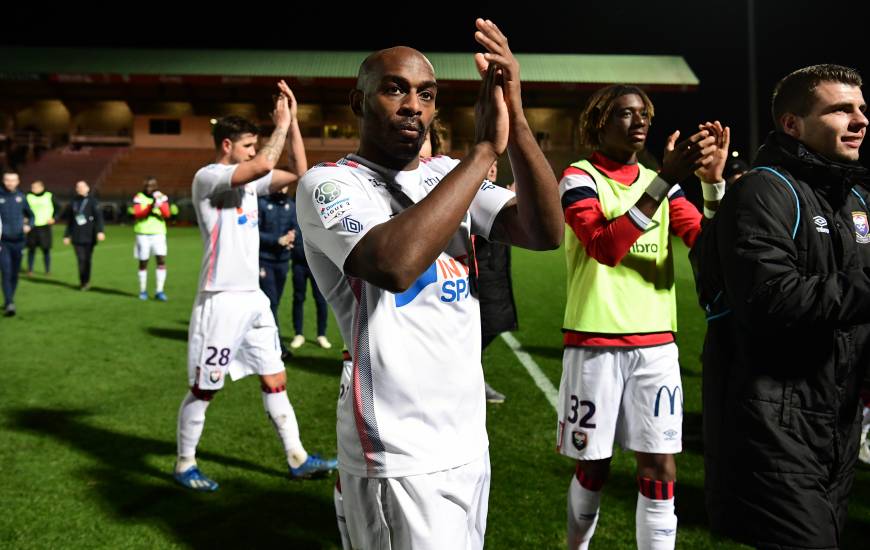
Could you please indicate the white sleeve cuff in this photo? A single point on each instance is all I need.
(713, 192)
(639, 218)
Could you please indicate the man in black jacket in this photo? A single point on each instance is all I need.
(84, 230)
(277, 220)
(17, 218)
(784, 272)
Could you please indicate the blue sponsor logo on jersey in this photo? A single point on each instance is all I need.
(453, 283)
(430, 276)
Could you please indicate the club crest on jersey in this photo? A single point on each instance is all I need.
(862, 229)
(214, 376)
(579, 440)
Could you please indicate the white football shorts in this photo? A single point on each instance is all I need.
(231, 333)
(146, 245)
(632, 395)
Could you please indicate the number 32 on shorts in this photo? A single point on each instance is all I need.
(574, 412)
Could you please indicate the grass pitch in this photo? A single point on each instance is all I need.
(90, 384)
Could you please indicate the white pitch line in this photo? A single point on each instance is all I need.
(533, 369)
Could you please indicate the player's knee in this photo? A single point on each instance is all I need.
(273, 383)
(660, 467)
(201, 394)
(592, 474)
(161, 260)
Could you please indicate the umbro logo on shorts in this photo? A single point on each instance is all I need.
(671, 435)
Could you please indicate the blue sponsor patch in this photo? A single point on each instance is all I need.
(429, 277)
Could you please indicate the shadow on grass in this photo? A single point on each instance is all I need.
(239, 515)
(329, 366)
(168, 333)
(74, 286)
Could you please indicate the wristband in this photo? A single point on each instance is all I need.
(713, 192)
(658, 189)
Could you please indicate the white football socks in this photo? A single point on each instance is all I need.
(655, 523)
(143, 280)
(280, 413)
(583, 507)
(191, 419)
(160, 273)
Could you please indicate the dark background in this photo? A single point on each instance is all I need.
(712, 36)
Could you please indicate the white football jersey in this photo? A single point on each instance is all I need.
(413, 402)
(228, 219)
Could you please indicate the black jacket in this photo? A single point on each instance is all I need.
(14, 213)
(784, 269)
(277, 216)
(498, 312)
(84, 233)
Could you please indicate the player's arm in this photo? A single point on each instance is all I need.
(606, 241)
(394, 253)
(28, 215)
(141, 210)
(268, 156)
(534, 219)
(685, 220)
(297, 163)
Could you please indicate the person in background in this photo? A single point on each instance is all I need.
(17, 218)
(84, 230)
(44, 207)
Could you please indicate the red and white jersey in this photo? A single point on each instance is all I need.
(413, 403)
(228, 219)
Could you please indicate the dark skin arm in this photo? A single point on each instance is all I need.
(386, 256)
(534, 218)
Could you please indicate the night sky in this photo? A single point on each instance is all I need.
(711, 35)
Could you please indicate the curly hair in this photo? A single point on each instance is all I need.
(599, 108)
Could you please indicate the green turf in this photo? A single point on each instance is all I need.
(90, 383)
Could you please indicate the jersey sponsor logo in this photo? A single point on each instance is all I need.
(454, 287)
(247, 218)
(430, 276)
(821, 224)
(579, 439)
(672, 399)
(862, 229)
(644, 248)
(431, 181)
(351, 225)
(327, 192)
